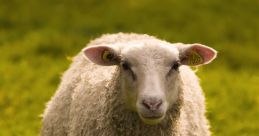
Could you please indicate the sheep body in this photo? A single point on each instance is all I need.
(88, 102)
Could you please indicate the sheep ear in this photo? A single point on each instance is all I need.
(101, 55)
(196, 54)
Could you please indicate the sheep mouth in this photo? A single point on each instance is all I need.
(151, 119)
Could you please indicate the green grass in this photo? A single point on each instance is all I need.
(38, 37)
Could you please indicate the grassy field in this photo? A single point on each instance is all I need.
(38, 38)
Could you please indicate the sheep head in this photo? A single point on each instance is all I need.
(150, 75)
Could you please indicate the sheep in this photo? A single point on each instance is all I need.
(130, 85)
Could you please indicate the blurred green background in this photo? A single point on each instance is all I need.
(38, 38)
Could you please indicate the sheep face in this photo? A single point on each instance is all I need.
(150, 79)
(150, 75)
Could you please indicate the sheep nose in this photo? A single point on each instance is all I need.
(152, 105)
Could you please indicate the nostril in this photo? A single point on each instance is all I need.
(146, 104)
(158, 104)
(152, 105)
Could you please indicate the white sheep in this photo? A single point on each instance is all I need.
(130, 85)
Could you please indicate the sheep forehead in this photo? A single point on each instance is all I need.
(150, 54)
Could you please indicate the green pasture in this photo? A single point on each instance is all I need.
(39, 37)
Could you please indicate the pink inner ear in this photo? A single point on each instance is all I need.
(207, 53)
(95, 54)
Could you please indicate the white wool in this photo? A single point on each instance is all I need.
(89, 100)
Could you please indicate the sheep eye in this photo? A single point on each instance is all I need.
(176, 65)
(125, 66)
